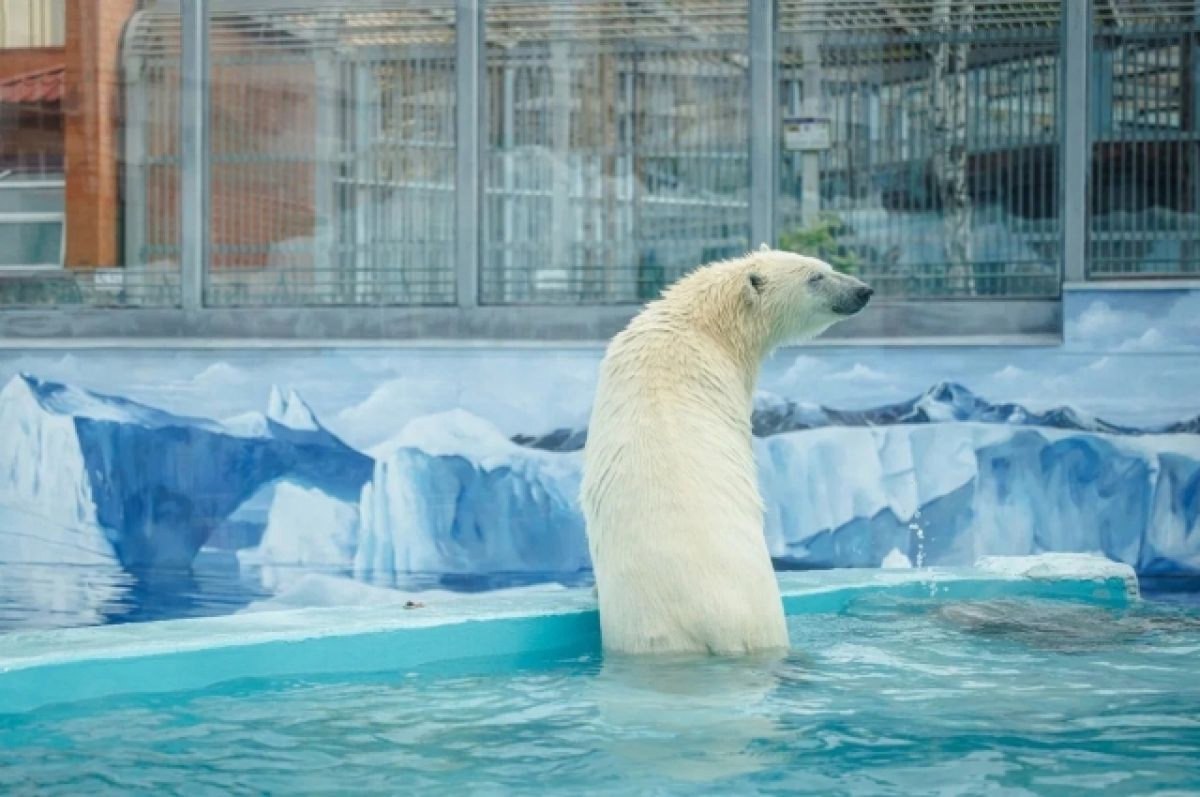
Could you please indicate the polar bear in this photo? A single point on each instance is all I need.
(669, 493)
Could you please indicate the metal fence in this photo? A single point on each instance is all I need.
(153, 171)
(937, 175)
(332, 154)
(603, 148)
(617, 148)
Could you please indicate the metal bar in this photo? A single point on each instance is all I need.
(764, 127)
(1075, 146)
(1192, 246)
(25, 184)
(813, 101)
(469, 44)
(562, 233)
(507, 143)
(363, 101)
(195, 150)
(326, 109)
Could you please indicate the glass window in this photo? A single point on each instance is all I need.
(30, 240)
(32, 23)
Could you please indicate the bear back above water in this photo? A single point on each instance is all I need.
(670, 493)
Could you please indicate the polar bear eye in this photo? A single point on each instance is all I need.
(815, 278)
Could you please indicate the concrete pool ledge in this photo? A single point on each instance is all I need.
(506, 628)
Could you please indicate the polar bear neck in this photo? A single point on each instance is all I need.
(670, 349)
(709, 304)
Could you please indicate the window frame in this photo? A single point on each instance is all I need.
(17, 217)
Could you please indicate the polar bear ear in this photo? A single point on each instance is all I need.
(752, 292)
(764, 248)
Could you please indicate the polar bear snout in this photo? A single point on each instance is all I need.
(851, 297)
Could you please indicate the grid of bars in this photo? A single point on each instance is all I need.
(332, 173)
(617, 147)
(1144, 215)
(940, 174)
(611, 169)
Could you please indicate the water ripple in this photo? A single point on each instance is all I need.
(1001, 697)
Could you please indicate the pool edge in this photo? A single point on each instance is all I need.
(374, 640)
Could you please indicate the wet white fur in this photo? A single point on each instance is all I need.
(674, 516)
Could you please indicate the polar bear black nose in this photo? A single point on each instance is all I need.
(851, 298)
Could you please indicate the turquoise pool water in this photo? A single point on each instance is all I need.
(888, 696)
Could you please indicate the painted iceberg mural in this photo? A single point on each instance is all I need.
(96, 480)
(146, 487)
(180, 491)
(948, 493)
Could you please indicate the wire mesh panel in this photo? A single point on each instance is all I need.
(1145, 128)
(397, 232)
(149, 77)
(267, 246)
(919, 147)
(332, 166)
(617, 146)
(920, 143)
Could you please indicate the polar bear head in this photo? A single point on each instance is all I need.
(799, 297)
(767, 299)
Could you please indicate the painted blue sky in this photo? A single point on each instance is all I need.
(1129, 357)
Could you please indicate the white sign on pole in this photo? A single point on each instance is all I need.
(806, 134)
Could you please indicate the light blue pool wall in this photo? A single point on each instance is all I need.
(475, 634)
(325, 474)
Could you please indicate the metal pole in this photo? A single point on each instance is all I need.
(325, 152)
(364, 188)
(812, 108)
(469, 41)
(507, 143)
(764, 124)
(560, 273)
(1075, 146)
(136, 119)
(195, 152)
(1191, 250)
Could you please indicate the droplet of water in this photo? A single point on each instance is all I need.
(915, 527)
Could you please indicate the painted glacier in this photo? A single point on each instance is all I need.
(142, 485)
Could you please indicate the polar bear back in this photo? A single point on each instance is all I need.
(673, 508)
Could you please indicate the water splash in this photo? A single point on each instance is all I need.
(918, 531)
